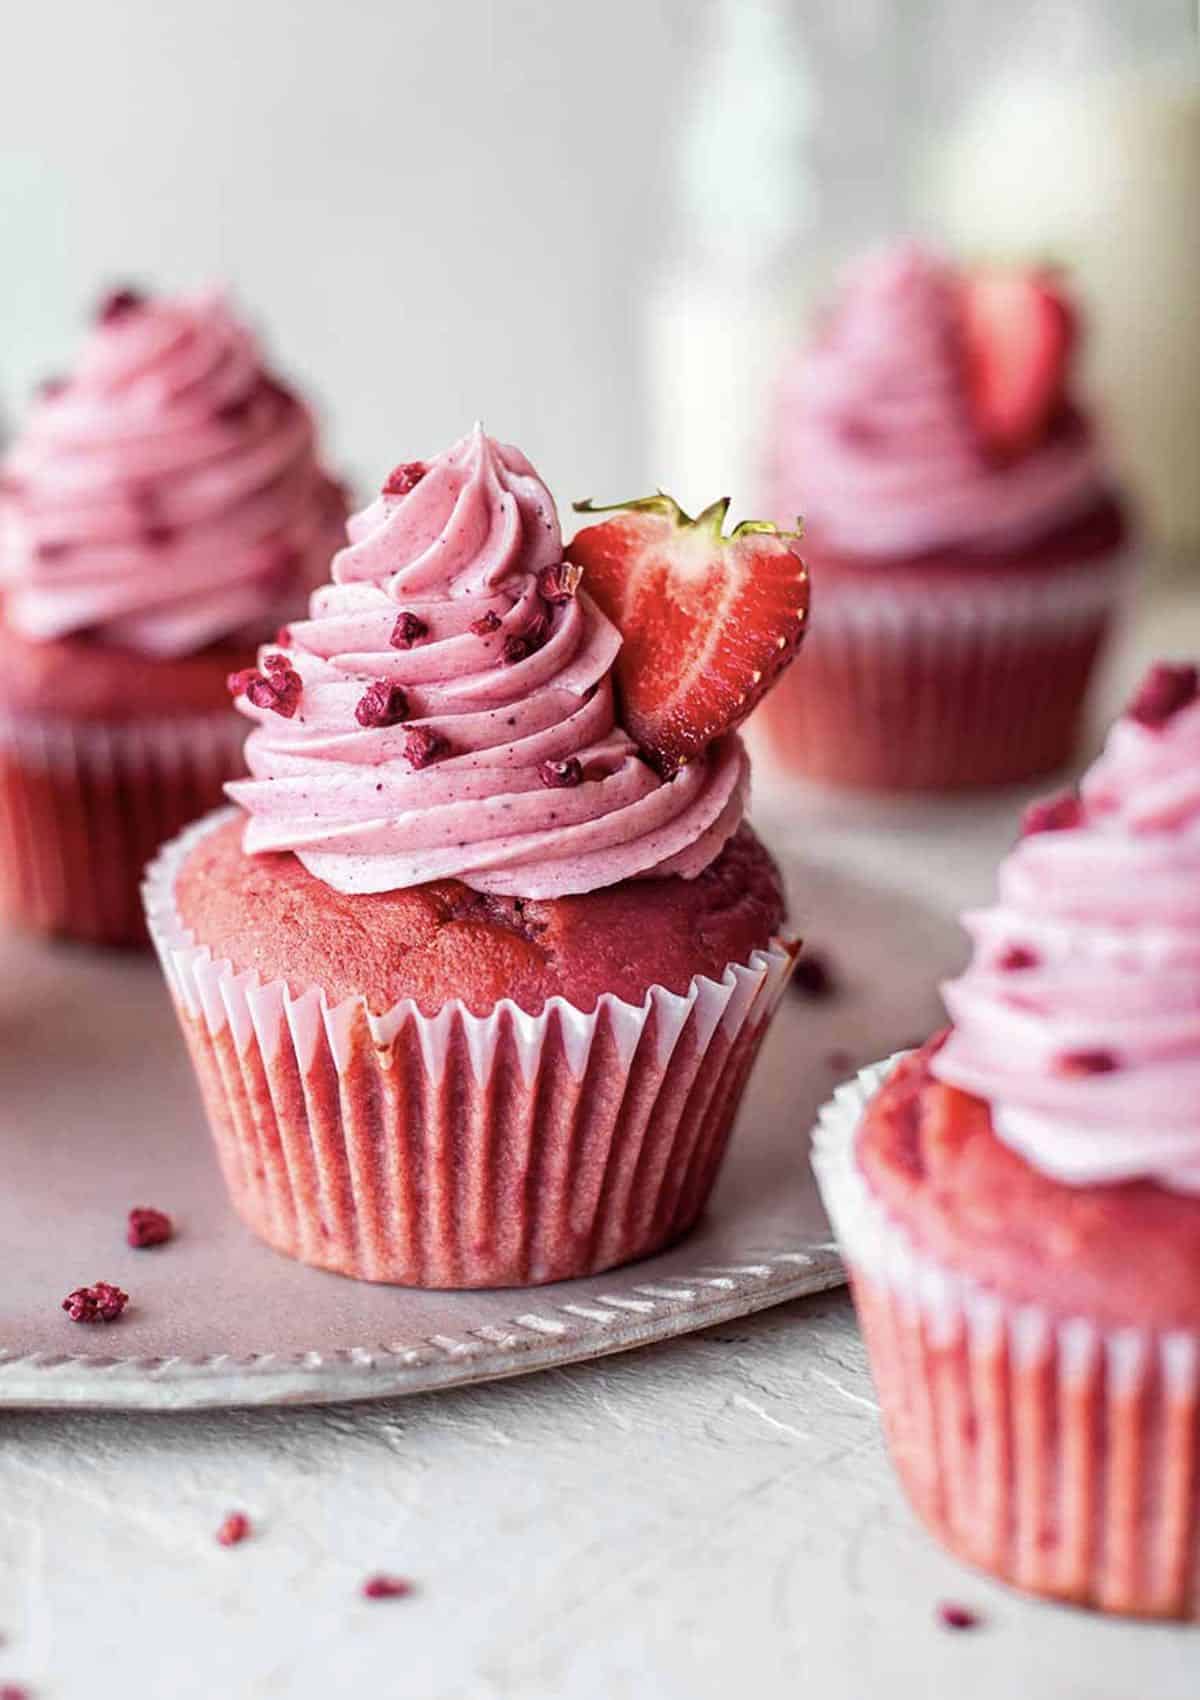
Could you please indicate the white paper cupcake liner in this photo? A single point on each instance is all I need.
(458, 1150)
(85, 804)
(913, 688)
(1061, 1455)
(1064, 599)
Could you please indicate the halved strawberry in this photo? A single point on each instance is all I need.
(1018, 331)
(709, 621)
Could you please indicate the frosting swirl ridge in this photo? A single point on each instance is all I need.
(447, 709)
(872, 435)
(167, 495)
(1079, 1016)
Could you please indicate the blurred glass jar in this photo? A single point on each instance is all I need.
(1083, 147)
(786, 161)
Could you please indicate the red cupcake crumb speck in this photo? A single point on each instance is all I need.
(423, 746)
(15, 1691)
(381, 704)
(486, 624)
(1075, 1064)
(1053, 814)
(561, 775)
(266, 693)
(158, 536)
(559, 583)
(814, 978)
(234, 412)
(405, 477)
(838, 1061)
(859, 432)
(528, 643)
(1163, 693)
(118, 304)
(101, 1302)
(279, 688)
(1016, 958)
(409, 629)
(234, 1529)
(147, 1226)
(386, 1588)
(237, 684)
(51, 549)
(52, 386)
(953, 1616)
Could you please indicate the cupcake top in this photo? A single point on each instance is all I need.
(933, 411)
(1078, 1019)
(166, 495)
(447, 711)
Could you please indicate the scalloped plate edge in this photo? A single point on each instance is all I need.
(571, 1332)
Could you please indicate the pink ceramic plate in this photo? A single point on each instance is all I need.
(98, 1112)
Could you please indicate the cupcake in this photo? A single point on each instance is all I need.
(471, 980)
(964, 536)
(161, 512)
(1019, 1201)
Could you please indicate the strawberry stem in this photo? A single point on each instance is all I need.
(711, 519)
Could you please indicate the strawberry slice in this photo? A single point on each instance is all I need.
(1018, 332)
(709, 621)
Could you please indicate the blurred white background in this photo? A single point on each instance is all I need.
(536, 211)
(433, 210)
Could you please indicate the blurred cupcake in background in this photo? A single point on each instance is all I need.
(163, 510)
(966, 543)
(1019, 1202)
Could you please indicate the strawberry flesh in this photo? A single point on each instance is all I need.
(709, 622)
(1018, 332)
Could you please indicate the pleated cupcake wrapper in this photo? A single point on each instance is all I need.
(918, 689)
(85, 804)
(1066, 599)
(1059, 1454)
(459, 1150)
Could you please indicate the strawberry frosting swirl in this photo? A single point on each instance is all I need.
(167, 495)
(455, 714)
(872, 437)
(1079, 1016)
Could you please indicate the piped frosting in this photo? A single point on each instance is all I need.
(167, 494)
(1078, 1019)
(455, 715)
(872, 437)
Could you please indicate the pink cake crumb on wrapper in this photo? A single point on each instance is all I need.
(461, 1150)
(1058, 1454)
(84, 805)
(912, 686)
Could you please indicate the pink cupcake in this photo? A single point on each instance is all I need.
(1019, 1203)
(471, 988)
(964, 537)
(162, 511)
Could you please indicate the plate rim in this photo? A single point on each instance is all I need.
(592, 1327)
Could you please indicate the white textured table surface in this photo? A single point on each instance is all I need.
(710, 1516)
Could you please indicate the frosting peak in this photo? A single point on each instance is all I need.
(166, 495)
(455, 717)
(1079, 1016)
(873, 439)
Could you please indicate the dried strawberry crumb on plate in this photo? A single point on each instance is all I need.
(101, 1302)
(148, 1227)
(234, 1530)
(383, 1587)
